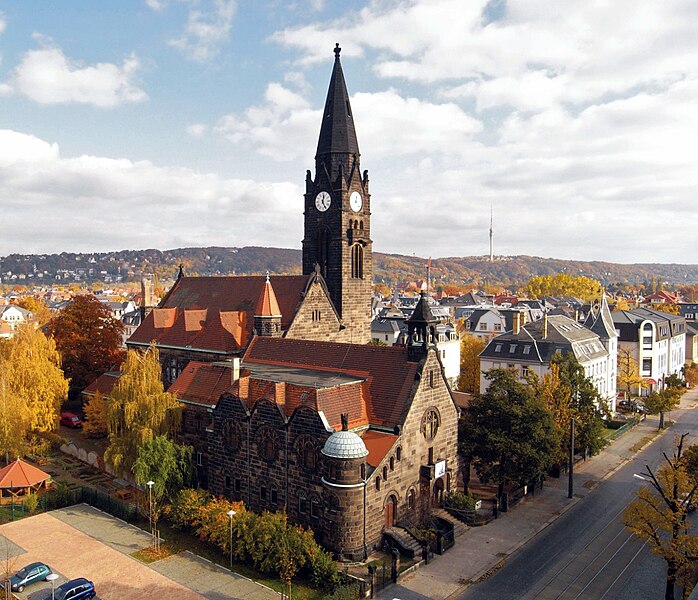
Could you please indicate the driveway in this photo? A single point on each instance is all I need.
(81, 541)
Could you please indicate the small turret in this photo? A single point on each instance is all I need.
(421, 330)
(267, 315)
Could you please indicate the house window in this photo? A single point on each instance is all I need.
(498, 348)
(263, 493)
(315, 508)
(410, 499)
(527, 350)
(524, 371)
(512, 348)
(482, 326)
(497, 326)
(302, 503)
(647, 365)
(647, 340)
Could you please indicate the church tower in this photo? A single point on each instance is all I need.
(338, 214)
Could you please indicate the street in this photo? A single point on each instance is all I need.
(587, 553)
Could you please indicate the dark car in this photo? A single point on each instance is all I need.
(71, 420)
(30, 574)
(626, 406)
(76, 589)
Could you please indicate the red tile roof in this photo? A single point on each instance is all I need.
(388, 374)
(20, 474)
(378, 445)
(216, 313)
(104, 384)
(267, 305)
(202, 383)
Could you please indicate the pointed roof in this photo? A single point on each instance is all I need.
(422, 312)
(19, 474)
(267, 306)
(600, 320)
(337, 133)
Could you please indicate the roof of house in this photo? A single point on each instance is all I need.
(628, 323)
(20, 474)
(533, 344)
(202, 383)
(378, 445)
(104, 384)
(216, 313)
(374, 379)
(600, 320)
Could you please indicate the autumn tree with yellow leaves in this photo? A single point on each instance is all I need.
(32, 387)
(563, 284)
(139, 409)
(659, 515)
(95, 424)
(469, 378)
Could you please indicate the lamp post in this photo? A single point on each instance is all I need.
(150, 485)
(52, 578)
(231, 514)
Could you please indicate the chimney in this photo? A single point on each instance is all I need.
(545, 326)
(280, 393)
(517, 323)
(244, 387)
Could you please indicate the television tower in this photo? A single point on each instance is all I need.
(491, 235)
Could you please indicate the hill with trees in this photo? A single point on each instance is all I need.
(474, 271)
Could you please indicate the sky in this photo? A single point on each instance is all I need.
(130, 124)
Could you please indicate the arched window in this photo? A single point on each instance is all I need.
(410, 500)
(357, 261)
(361, 225)
(363, 471)
(392, 463)
(378, 483)
(430, 423)
(385, 472)
(302, 503)
(309, 456)
(398, 452)
(356, 224)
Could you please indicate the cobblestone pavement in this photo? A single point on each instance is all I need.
(81, 541)
(481, 549)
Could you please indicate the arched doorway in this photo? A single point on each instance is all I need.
(439, 492)
(390, 511)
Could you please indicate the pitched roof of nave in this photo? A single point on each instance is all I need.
(216, 313)
(202, 383)
(385, 376)
(104, 384)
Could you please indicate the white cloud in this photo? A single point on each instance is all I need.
(47, 76)
(175, 206)
(197, 130)
(206, 31)
(156, 5)
(3, 22)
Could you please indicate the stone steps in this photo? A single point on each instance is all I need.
(459, 528)
(403, 539)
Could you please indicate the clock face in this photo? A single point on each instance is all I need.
(323, 201)
(355, 201)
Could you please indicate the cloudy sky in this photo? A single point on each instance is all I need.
(169, 123)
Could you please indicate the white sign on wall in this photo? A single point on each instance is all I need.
(440, 469)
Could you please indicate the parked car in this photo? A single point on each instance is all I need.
(71, 420)
(626, 406)
(76, 589)
(32, 573)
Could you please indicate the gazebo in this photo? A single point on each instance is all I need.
(19, 479)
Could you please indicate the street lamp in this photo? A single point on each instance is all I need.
(52, 578)
(642, 477)
(150, 485)
(231, 514)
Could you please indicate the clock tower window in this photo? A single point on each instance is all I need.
(357, 261)
(323, 249)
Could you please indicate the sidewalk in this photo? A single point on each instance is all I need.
(482, 549)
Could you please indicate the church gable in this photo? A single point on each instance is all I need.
(316, 318)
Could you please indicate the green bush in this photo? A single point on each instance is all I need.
(344, 592)
(460, 501)
(31, 501)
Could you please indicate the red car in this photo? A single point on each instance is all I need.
(71, 420)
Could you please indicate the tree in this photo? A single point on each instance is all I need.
(621, 304)
(139, 409)
(88, 338)
(666, 307)
(95, 417)
(563, 284)
(41, 312)
(661, 401)
(690, 374)
(659, 515)
(470, 349)
(690, 461)
(32, 378)
(628, 371)
(509, 434)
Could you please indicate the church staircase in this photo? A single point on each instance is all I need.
(404, 540)
(459, 528)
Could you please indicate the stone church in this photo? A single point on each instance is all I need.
(286, 404)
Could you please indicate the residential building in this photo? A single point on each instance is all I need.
(655, 340)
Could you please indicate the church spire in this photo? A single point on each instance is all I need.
(337, 143)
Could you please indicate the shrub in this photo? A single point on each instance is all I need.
(344, 592)
(186, 507)
(31, 501)
(460, 501)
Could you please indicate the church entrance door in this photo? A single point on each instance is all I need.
(391, 512)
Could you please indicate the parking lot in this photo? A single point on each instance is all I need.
(81, 541)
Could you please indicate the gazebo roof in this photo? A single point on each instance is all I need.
(19, 474)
